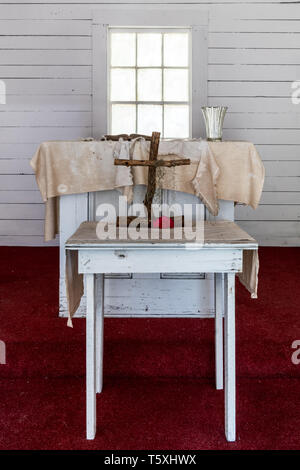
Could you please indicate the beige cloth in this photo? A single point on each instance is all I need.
(219, 170)
(249, 276)
(74, 284)
(214, 233)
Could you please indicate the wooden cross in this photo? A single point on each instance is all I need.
(153, 163)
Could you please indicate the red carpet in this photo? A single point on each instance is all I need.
(159, 385)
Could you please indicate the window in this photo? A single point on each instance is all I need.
(149, 69)
(149, 81)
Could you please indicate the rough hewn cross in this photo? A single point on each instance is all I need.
(153, 163)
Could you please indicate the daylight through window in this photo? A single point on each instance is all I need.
(149, 82)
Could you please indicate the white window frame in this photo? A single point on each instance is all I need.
(163, 102)
(156, 16)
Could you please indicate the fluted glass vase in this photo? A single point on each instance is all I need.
(214, 117)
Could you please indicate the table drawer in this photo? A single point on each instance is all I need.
(161, 260)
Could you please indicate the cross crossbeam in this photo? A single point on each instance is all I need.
(153, 163)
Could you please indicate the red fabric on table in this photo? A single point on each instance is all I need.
(163, 222)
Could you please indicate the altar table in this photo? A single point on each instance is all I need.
(232, 171)
(69, 174)
(221, 253)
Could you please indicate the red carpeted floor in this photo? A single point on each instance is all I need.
(159, 386)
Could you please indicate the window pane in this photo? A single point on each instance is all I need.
(149, 118)
(176, 49)
(123, 118)
(176, 121)
(122, 49)
(149, 85)
(122, 85)
(176, 85)
(149, 49)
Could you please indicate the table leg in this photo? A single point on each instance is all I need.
(219, 312)
(90, 357)
(99, 331)
(230, 357)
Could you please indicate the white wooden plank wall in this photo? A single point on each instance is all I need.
(45, 61)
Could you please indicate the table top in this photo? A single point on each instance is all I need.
(216, 234)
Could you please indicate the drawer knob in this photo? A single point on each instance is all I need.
(120, 254)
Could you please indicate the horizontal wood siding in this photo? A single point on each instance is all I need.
(46, 63)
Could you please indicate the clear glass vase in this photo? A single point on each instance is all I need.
(214, 117)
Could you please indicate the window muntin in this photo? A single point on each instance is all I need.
(149, 77)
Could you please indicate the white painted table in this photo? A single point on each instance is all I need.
(223, 257)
